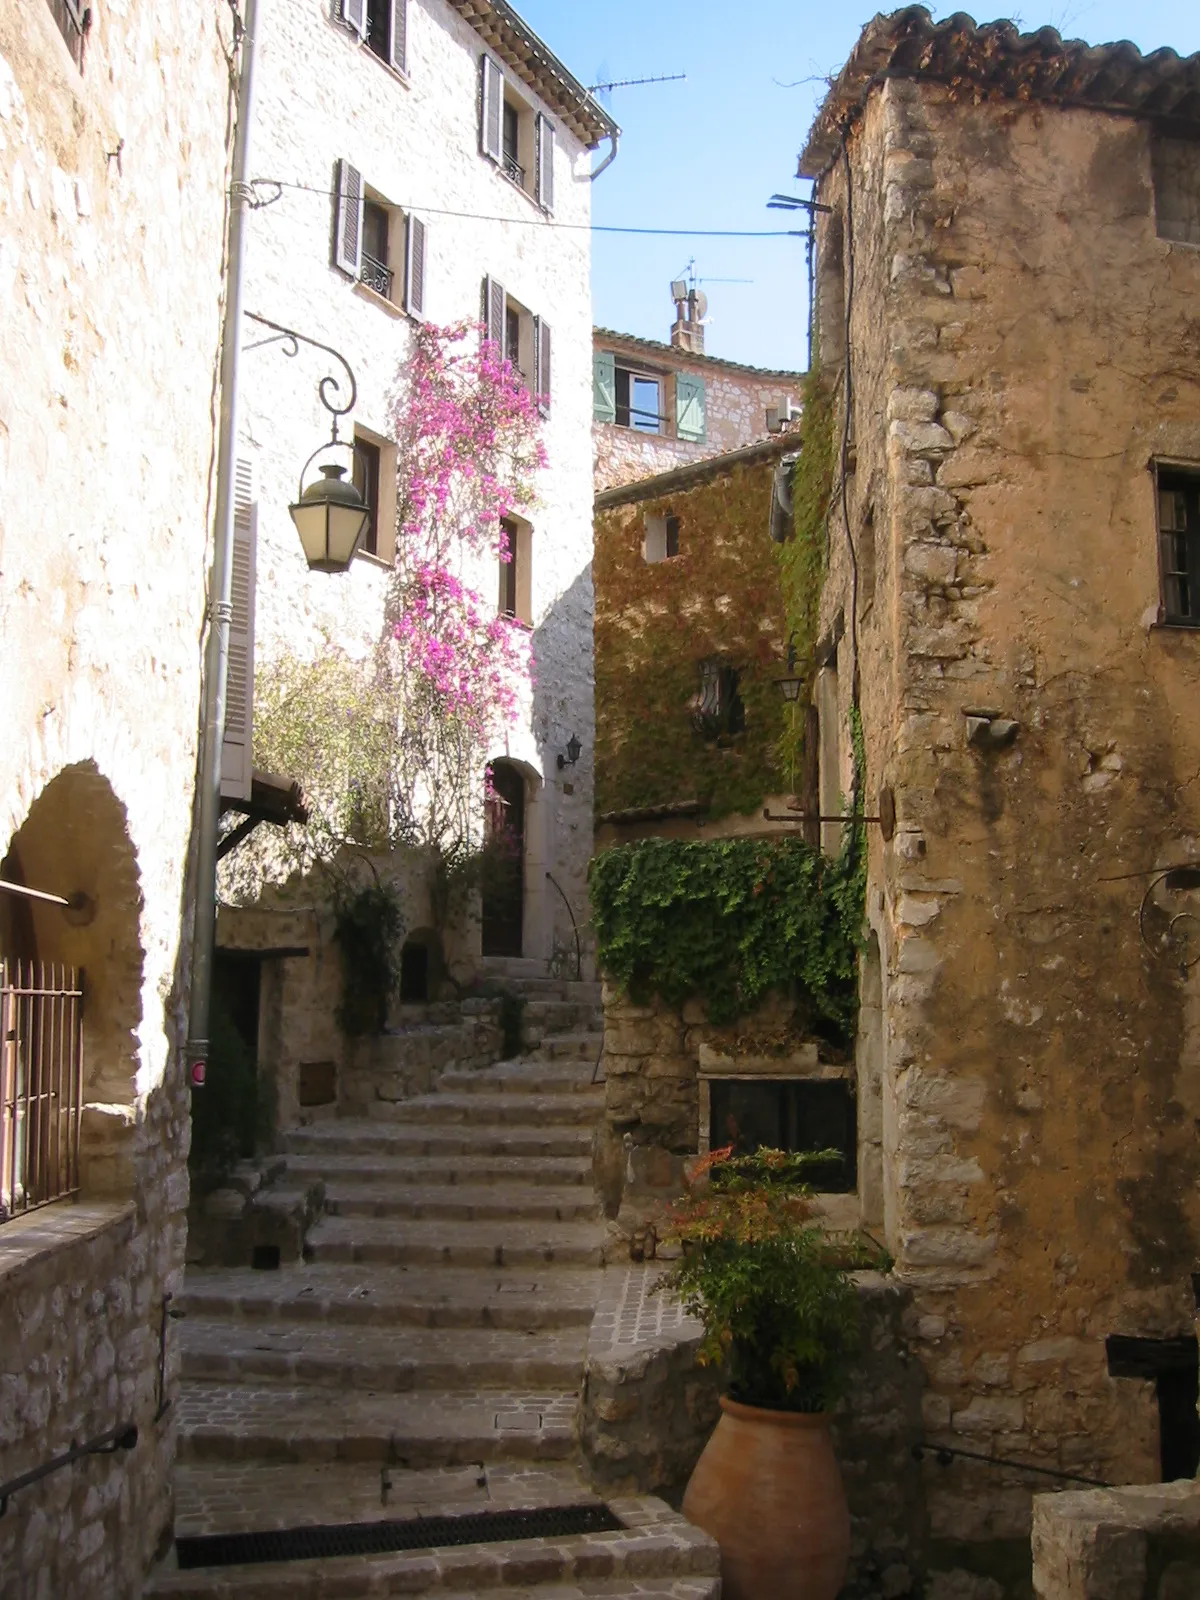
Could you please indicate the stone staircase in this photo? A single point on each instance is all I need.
(426, 1358)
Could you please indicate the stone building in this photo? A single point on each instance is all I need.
(1011, 603)
(657, 406)
(111, 222)
(431, 158)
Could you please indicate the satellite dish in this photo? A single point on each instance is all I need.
(678, 289)
(701, 304)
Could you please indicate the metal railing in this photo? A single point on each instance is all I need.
(41, 1084)
(106, 1444)
(514, 170)
(376, 275)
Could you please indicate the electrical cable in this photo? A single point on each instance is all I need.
(279, 184)
(845, 452)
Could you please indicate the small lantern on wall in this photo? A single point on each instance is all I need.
(331, 518)
(574, 751)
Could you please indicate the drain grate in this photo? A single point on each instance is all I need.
(378, 1538)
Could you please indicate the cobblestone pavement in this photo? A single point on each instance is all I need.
(428, 1358)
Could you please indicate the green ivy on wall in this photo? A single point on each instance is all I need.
(730, 919)
(719, 598)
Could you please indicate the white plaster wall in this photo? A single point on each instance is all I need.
(320, 96)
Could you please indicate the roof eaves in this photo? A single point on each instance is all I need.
(515, 42)
(677, 354)
(695, 473)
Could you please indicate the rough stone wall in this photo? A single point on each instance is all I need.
(736, 401)
(1118, 1544)
(111, 222)
(1023, 344)
(321, 97)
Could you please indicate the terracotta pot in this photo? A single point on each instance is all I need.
(769, 1489)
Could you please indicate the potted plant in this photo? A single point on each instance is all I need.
(781, 1315)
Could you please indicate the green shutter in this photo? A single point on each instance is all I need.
(604, 386)
(690, 418)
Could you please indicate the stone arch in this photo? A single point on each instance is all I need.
(75, 842)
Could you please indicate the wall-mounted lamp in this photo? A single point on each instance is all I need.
(574, 751)
(790, 684)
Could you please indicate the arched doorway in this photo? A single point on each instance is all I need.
(503, 889)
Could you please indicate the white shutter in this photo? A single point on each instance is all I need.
(541, 337)
(414, 267)
(491, 108)
(545, 163)
(604, 386)
(237, 748)
(354, 15)
(398, 35)
(347, 220)
(493, 313)
(690, 419)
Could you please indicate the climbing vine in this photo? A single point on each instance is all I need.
(718, 599)
(730, 919)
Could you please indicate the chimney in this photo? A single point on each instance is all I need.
(687, 332)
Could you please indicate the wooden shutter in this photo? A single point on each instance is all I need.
(604, 386)
(541, 348)
(493, 313)
(347, 221)
(354, 15)
(690, 418)
(491, 109)
(414, 267)
(398, 35)
(545, 163)
(237, 748)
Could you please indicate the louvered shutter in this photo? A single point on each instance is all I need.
(237, 747)
(545, 163)
(414, 267)
(491, 108)
(493, 313)
(347, 222)
(354, 15)
(604, 386)
(398, 35)
(690, 418)
(541, 336)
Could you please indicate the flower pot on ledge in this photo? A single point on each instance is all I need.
(769, 1490)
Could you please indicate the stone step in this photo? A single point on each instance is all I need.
(389, 1197)
(503, 1110)
(489, 1242)
(570, 1047)
(431, 1297)
(520, 1077)
(344, 1137)
(501, 1172)
(424, 1428)
(547, 1012)
(388, 1360)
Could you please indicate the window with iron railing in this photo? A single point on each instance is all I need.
(1179, 546)
(374, 270)
(73, 19)
(717, 708)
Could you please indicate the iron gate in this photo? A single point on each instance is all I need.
(41, 1083)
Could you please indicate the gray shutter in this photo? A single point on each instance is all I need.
(237, 747)
(493, 313)
(354, 15)
(604, 386)
(545, 163)
(491, 108)
(398, 35)
(541, 346)
(347, 222)
(414, 267)
(690, 419)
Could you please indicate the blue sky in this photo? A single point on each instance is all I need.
(710, 151)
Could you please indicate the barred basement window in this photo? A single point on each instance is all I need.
(1176, 167)
(1179, 546)
(74, 20)
(790, 1114)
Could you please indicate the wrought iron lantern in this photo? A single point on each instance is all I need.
(574, 751)
(790, 684)
(331, 518)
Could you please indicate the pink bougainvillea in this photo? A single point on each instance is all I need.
(468, 452)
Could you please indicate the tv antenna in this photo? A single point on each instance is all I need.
(634, 83)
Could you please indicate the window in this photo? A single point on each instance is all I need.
(377, 244)
(1176, 167)
(661, 540)
(1179, 545)
(717, 709)
(516, 138)
(73, 19)
(382, 25)
(366, 481)
(515, 592)
(789, 1114)
(521, 337)
(639, 401)
(637, 397)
